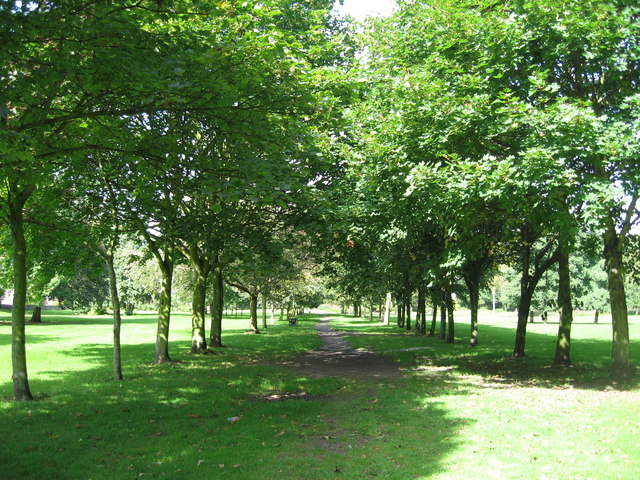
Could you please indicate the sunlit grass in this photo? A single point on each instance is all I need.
(459, 413)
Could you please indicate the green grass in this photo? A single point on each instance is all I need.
(459, 413)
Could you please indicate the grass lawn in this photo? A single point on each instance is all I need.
(457, 413)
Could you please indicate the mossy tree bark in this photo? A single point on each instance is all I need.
(434, 315)
(217, 306)
(472, 275)
(264, 310)
(620, 350)
(408, 314)
(253, 312)
(16, 201)
(201, 267)
(166, 262)
(107, 256)
(563, 342)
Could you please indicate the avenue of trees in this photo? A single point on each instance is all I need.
(259, 144)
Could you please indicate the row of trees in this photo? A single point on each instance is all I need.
(486, 134)
(195, 126)
(246, 140)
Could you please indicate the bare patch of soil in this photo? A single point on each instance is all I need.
(337, 358)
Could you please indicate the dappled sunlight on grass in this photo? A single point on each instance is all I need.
(461, 413)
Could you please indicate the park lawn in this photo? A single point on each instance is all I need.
(458, 413)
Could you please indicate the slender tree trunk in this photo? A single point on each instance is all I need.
(253, 312)
(434, 316)
(264, 310)
(217, 307)
(400, 313)
(164, 312)
(620, 351)
(387, 309)
(563, 343)
(198, 335)
(21, 389)
(117, 318)
(408, 318)
(524, 304)
(450, 328)
(422, 309)
(273, 313)
(443, 320)
(474, 300)
(371, 311)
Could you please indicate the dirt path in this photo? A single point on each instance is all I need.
(337, 358)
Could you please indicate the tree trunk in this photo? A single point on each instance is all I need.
(20, 378)
(620, 352)
(253, 313)
(264, 310)
(164, 312)
(387, 309)
(450, 329)
(217, 307)
(563, 343)
(36, 315)
(528, 283)
(198, 334)
(472, 278)
(434, 316)
(400, 319)
(117, 318)
(422, 310)
(524, 304)
(474, 300)
(408, 319)
(443, 321)
(371, 311)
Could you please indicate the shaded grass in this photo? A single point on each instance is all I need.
(460, 413)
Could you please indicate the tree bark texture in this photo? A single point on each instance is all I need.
(36, 315)
(408, 318)
(117, 317)
(20, 378)
(164, 311)
(198, 339)
(620, 351)
(474, 300)
(217, 307)
(563, 342)
(253, 312)
(443, 321)
(434, 316)
(264, 310)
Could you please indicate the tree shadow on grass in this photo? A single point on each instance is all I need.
(212, 415)
(591, 368)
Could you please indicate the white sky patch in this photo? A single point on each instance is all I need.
(361, 9)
